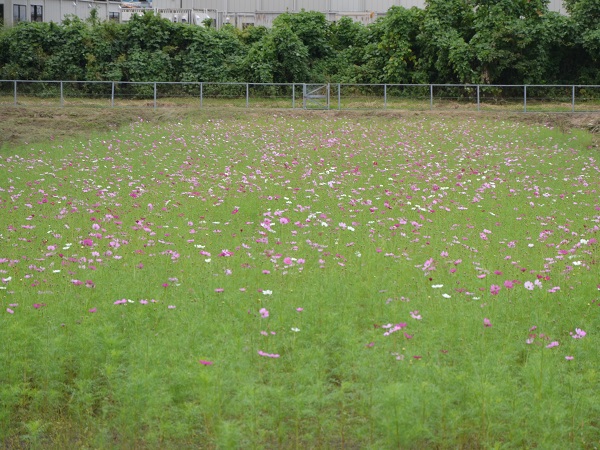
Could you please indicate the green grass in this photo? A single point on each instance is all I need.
(173, 213)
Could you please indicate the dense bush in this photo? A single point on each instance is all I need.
(450, 41)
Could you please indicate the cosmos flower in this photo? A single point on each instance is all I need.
(579, 333)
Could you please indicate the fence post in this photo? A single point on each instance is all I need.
(478, 107)
(112, 95)
(573, 99)
(431, 96)
(247, 94)
(525, 98)
(293, 95)
(385, 96)
(154, 95)
(339, 96)
(62, 99)
(201, 99)
(15, 91)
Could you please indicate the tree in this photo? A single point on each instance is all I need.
(586, 18)
(279, 57)
(311, 28)
(445, 31)
(208, 54)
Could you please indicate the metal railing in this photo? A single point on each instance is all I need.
(403, 97)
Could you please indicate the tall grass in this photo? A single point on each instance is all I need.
(297, 281)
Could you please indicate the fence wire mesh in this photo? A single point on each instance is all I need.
(407, 97)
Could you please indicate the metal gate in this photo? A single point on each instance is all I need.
(315, 96)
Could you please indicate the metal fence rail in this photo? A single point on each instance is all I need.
(402, 97)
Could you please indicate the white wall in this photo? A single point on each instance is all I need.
(55, 10)
(231, 6)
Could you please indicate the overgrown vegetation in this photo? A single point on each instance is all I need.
(301, 280)
(450, 41)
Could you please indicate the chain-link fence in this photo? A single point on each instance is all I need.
(402, 97)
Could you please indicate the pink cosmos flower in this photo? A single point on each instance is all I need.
(487, 323)
(579, 333)
(93, 310)
(393, 328)
(10, 311)
(568, 358)
(415, 315)
(299, 309)
(205, 362)
(552, 344)
(268, 355)
(264, 313)
(428, 265)
(171, 307)
(287, 260)
(528, 285)
(508, 284)
(494, 289)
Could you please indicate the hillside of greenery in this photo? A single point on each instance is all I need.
(450, 41)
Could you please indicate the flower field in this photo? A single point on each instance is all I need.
(286, 280)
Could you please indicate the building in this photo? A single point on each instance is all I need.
(14, 11)
(240, 13)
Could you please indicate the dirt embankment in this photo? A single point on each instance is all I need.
(33, 124)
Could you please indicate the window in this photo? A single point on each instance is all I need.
(36, 13)
(113, 16)
(19, 14)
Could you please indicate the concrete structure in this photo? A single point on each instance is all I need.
(15, 11)
(240, 13)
